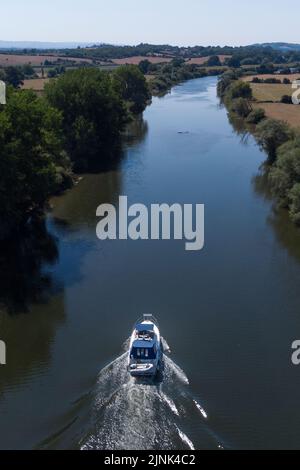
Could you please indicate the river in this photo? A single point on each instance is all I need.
(229, 313)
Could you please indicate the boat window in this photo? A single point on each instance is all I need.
(143, 353)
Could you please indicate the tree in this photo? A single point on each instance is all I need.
(28, 70)
(30, 149)
(270, 134)
(14, 76)
(294, 196)
(286, 170)
(233, 62)
(240, 89)
(256, 116)
(144, 66)
(286, 99)
(131, 84)
(213, 61)
(241, 106)
(93, 114)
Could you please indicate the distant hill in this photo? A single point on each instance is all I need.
(281, 46)
(12, 45)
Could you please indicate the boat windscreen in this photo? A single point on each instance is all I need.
(143, 353)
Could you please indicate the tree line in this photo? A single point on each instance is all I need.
(75, 126)
(280, 142)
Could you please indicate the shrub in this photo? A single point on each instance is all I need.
(286, 99)
(241, 107)
(256, 116)
(294, 196)
(270, 134)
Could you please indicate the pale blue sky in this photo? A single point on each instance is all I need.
(183, 22)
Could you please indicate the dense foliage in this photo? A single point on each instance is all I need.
(93, 114)
(131, 84)
(30, 153)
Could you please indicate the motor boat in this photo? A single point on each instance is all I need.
(145, 351)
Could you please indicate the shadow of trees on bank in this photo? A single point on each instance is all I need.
(23, 279)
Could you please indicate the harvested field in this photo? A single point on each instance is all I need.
(284, 112)
(36, 84)
(203, 60)
(291, 77)
(270, 91)
(35, 60)
(135, 60)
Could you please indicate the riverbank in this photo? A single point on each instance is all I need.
(278, 139)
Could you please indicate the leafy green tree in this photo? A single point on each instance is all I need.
(131, 84)
(294, 196)
(270, 134)
(287, 99)
(241, 106)
(14, 76)
(240, 89)
(30, 149)
(256, 116)
(233, 61)
(93, 114)
(286, 170)
(28, 70)
(144, 66)
(213, 61)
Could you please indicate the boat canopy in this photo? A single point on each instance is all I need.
(145, 327)
(140, 344)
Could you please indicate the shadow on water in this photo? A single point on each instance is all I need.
(77, 208)
(133, 413)
(23, 278)
(286, 232)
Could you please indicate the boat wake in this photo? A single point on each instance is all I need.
(143, 414)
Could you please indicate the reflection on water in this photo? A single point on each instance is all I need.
(286, 232)
(77, 208)
(23, 279)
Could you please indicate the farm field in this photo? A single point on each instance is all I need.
(36, 84)
(135, 60)
(270, 91)
(291, 77)
(283, 112)
(203, 60)
(36, 60)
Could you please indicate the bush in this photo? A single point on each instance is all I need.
(256, 116)
(286, 170)
(240, 89)
(286, 99)
(294, 196)
(241, 107)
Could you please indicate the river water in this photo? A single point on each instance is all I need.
(228, 313)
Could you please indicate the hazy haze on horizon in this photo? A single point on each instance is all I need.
(222, 22)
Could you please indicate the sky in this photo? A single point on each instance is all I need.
(176, 22)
